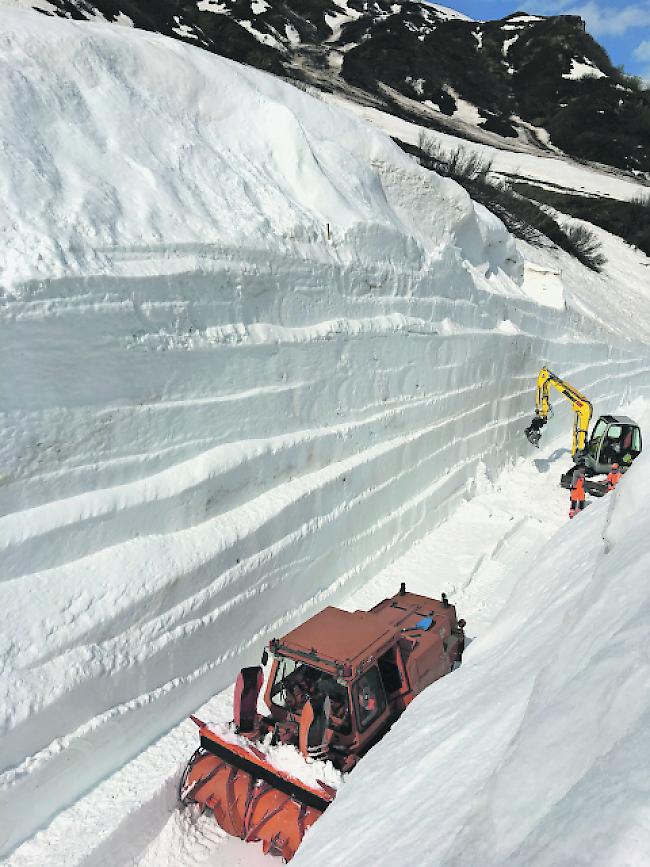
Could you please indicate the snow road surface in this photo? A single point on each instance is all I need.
(251, 354)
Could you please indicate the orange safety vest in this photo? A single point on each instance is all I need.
(613, 478)
(578, 491)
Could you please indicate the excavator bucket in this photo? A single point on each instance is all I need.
(249, 797)
(534, 430)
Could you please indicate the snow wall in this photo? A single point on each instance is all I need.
(250, 353)
(535, 750)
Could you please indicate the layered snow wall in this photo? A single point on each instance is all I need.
(250, 352)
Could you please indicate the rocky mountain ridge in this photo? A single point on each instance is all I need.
(523, 79)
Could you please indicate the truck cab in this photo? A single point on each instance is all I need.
(359, 670)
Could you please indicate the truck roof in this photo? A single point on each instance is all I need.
(336, 637)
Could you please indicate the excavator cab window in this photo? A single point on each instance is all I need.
(369, 697)
(611, 445)
(597, 436)
(628, 445)
(616, 443)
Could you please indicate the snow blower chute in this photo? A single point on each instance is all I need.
(336, 685)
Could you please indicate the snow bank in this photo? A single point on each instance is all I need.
(535, 751)
(130, 154)
(617, 298)
(251, 352)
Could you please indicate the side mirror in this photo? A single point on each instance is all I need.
(265, 657)
(461, 623)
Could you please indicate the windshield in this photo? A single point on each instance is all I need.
(596, 436)
(337, 703)
(293, 683)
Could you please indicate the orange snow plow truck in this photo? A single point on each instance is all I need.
(335, 686)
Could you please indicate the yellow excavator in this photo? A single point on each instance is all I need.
(614, 439)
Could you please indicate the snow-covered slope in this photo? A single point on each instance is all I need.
(251, 352)
(617, 298)
(131, 155)
(535, 750)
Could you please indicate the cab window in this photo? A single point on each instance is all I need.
(599, 430)
(369, 697)
(292, 684)
(389, 670)
(339, 706)
(596, 437)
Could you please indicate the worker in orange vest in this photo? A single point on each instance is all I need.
(577, 495)
(613, 477)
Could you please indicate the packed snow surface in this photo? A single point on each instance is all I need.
(251, 353)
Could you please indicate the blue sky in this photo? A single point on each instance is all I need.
(622, 26)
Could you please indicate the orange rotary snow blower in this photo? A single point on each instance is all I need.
(336, 685)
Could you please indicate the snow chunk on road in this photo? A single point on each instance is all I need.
(544, 285)
(285, 758)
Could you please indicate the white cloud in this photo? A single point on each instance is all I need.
(642, 51)
(603, 19)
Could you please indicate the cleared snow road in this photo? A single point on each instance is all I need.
(133, 817)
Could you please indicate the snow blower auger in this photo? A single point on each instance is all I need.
(336, 685)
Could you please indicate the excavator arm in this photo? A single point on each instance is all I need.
(582, 410)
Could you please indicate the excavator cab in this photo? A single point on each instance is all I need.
(614, 440)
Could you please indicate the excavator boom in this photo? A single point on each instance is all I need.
(582, 410)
